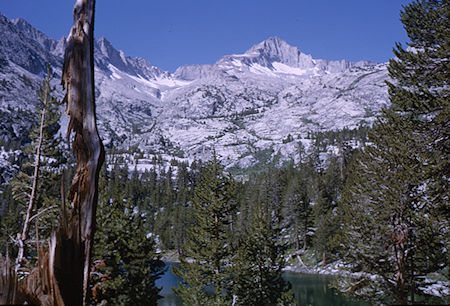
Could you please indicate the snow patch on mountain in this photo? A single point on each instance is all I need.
(243, 106)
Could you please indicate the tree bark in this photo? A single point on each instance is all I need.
(8, 282)
(61, 276)
(78, 80)
(297, 239)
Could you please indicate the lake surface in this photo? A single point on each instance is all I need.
(308, 290)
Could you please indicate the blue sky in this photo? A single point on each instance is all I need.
(171, 33)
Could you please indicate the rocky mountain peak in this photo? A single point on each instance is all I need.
(23, 25)
(106, 47)
(269, 51)
(107, 54)
(275, 48)
(245, 105)
(32, 33)
(26, 46)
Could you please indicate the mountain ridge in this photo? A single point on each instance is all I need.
(239, 106)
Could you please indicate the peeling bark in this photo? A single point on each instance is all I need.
(8, 282)
(61, 276)
(78, 80)
(38, 288)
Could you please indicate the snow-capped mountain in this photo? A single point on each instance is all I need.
(241, 105)
(280, 57)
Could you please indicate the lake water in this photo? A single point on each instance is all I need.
(308, 290)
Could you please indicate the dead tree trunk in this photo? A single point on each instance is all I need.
(61, 276)
(78, 80)
(8, 282)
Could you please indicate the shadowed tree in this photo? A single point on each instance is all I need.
(396, 203)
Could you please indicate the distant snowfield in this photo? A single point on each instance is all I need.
(282, 68)
(244, 104)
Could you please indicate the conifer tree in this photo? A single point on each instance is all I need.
(388, 231)
(296, 209)
(36, 187)
(326, 218)
(10, 221)
(126, 262)
(420, 93)
(396, 202)
(164, 224)
(207, 253)
(259, 263)
(181, 211)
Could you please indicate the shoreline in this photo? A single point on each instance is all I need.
(335, 269)
(328, 270)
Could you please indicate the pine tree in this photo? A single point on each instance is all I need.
(259, 263)
(36, 187)
(164, 223)
(126, 263)
(181, 211)
(296, 209)
(420, 93)
(207, 253)
(387, 228)
(326, 217)
(10, 221)
(396, 202)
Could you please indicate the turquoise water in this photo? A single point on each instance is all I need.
(308, 290)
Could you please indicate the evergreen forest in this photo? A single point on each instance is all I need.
(376, 205)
